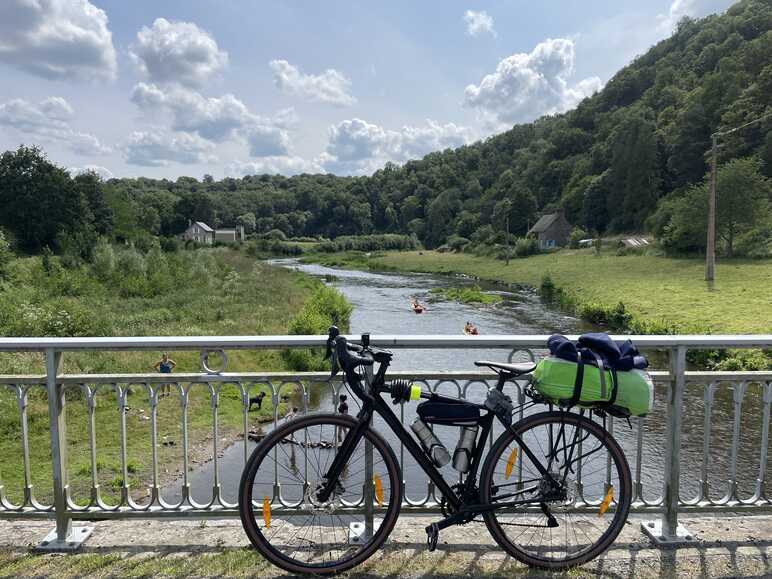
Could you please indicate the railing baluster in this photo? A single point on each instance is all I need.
(667, 530)
(704, 482)
(22, 400)
(184, 394)
(738, 392)
(761, 480)
(64, 537)
(214, 399)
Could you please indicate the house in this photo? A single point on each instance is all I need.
(229, 234)
(201, 233)
(551, 230)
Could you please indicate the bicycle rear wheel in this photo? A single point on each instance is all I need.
(588, 510)
(282, 515)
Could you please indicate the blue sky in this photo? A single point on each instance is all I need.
(234, 87)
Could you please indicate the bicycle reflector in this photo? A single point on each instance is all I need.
(378, 489)
(510, 464)
(266, 511)
(606, 501)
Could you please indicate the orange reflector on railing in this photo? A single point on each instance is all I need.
(267, 511)
(378, 489)
(606, 501)
(510, 464)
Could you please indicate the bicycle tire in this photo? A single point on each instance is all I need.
(620, 506)
(263, 450)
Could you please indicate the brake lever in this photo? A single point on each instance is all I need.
(332, 333)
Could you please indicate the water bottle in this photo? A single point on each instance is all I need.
(462, 456)
(432, 445)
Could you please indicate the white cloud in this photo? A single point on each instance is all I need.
(160, 149)
(278, 165)
(358, 147)
(525, 86)
(329, 87)
(218, 118)
(103, 172)
(267, 141)
(691, 8)
(49, 121)
(57, 39)
(478, 23)
(177, 52)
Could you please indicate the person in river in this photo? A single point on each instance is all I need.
(416, 306)
(165, 366)
(471, 330)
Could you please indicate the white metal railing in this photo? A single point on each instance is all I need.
(736, 391)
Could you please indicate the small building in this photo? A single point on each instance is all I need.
(199, 232)
(633, 243)
(552, 230)
(229, 234)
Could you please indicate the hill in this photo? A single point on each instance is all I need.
(608, 163)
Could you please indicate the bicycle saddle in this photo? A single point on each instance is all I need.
(516, 369)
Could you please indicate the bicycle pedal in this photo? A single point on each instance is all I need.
(432, 536)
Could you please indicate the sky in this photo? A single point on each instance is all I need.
(238, 87)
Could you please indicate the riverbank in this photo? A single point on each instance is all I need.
(208, 292)
(727, 546)
(659, 295)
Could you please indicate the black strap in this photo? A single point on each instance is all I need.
(578, 381)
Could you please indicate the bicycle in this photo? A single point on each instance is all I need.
(554, 489)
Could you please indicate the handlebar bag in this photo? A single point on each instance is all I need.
(556, 379)
(448, 413)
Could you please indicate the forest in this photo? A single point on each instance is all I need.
(631, 158)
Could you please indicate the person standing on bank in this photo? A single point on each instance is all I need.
(165, 366)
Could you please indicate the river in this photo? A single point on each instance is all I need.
(381, 306)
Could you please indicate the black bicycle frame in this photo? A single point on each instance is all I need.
(373, 402)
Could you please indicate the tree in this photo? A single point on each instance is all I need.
(515, 201)
(40, 202)
(741, 203)
(741, 199)
(634, 179)
(248, 221)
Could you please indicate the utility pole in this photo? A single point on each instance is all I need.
(710, 250)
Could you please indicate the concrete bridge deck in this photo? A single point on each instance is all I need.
(727, 546)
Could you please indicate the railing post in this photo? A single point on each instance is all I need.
(667, 530)
(64, 537)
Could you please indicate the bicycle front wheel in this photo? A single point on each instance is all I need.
(563, 525)
(280, 510)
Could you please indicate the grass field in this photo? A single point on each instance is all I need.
(213, 292)
(651, 288)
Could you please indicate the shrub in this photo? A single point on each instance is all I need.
(755, 243)
(526, 246)
(576, 235)
(103, 260)
(457, 243)
(383, 242)
(326, 307)
(547, 287)
(6, 255)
